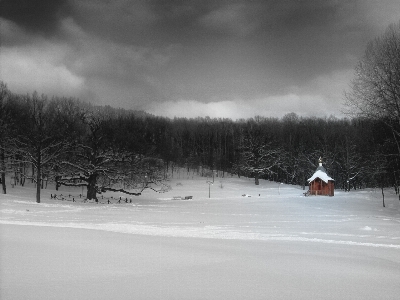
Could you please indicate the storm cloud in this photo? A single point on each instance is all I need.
(189, 58)
(34, 15)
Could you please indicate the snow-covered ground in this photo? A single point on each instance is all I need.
(244, 242)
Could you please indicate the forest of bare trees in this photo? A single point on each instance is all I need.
(65, 141)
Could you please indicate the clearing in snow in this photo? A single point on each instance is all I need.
(272, 243)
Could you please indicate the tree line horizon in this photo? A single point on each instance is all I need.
(70, 141)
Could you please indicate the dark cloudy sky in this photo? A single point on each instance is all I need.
(191, 58)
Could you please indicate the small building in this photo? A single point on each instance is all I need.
(320, 183)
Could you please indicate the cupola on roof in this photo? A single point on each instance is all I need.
(320, 167)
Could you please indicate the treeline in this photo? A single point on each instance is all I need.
(357, 153)
(70, 142)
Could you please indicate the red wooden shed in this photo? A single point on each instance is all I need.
(320, 183)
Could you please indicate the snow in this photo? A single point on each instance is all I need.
(321, 175)
(276, 244)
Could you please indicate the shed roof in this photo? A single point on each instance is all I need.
(321, 175)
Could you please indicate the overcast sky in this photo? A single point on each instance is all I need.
(191, 58)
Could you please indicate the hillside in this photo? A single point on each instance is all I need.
(244, 242)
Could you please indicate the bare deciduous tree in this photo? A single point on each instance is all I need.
(375, 91)
(259, 156)
(101, 162)
(4, 131)
(40, 140)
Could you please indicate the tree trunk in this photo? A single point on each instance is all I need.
(38, 180)
(22, 181)
(91, 188)
(15, 178)
(21, 174)
(33, 173)
(57, 182)
(3, 182)
(3, 171)
(257, 181)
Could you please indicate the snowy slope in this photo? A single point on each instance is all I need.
(244, 242)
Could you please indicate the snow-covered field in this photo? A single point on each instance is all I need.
(272, 243)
